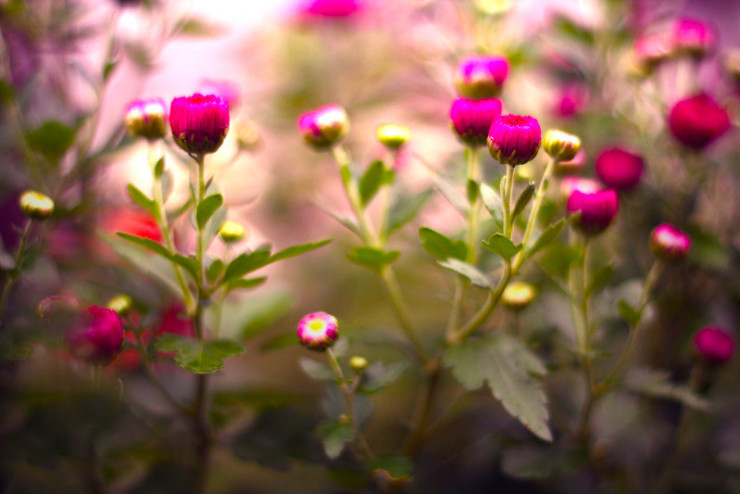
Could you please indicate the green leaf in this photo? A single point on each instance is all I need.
(397, 467)
(166, 185)
(247, 317)
(379, 375)
(523, 200)
(344, 221)
(246, 263)
(199, 357)
(473, 190)
(492, 201)
(372, 258)
(575, 31)
(599, 278)
(548, 235)
(156, 266)
(498, 244)
(245, 283)
(316, 370)
(215, 269)
(297, 250)
(147, 243)
(190, 264)
(450, 192)
(523, 355)
(475, 362)
(440, 246)
(467, 270)
(52, 140)
(335, 435)
(159, 168)
(141, 200)
(206, 208)
(195, 27)
(706, 250)
(557, 259)
(371, 181)
(657, 384)
(404, 210)
(628, 313)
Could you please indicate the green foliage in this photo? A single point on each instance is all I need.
(316, 370)
(206, 208)
(146, 243)
(297, 250)
(523, 200)
(450, 192)
(378, 376)
(499, 244)
(246, 263)
(469, 271)
(441, 246)
(372, 258)
(245, 283)
(599, 278)
(492, 201)
(52, 140)
(199, 357)
(141, 200)
(492, 360)
(404, 210)
(657, 384)
(247, 317)
(548, 235)
(628, 313)
(335, 435)
(397, 467)
(373, 179)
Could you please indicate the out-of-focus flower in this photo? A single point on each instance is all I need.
(668, 243)
(471, 119)
(199, 123)
(698, 121)
(146, 118)
(329, 8)
(318, 331)
(561, 145)
(573, 166)
(58, 304)
(357, 363)
(693, 37)
(714, 345)
(99, 336)
(570, 100)
(731, 63)
(393, 136)
(248, 136)
(120, 303)
(650, 50)
(518, 295)
(514, 139)
(568, 185)
(481, 76)
(132, 221)
(619, 168)
(226, 90)
(36, 205)
(324, 127)
(231, 231)
(175, 321)
(598, 210)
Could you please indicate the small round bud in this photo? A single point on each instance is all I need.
(471, 119)
(121, 304)
(561, 145)
(668, 243)
(231, 231)
(58, 304)
(698, 121)
(358, 364)
(693, 38)
(146, 118)
(598, 210)
(714, 345)
(248, 136)
(318, 331)
(36, 205)
(481, 76)
(393, 136)
(618, 168)
(514, 139)
(324, 127)
(199, 123)
(518, 295)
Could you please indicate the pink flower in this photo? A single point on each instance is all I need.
(668, 243)
(714, 345)
(330, 8)
(471, 119)
(698, 121)
(146, 118)
(598, 210)
(568, 185)
(318, 331)
(132, 221)
(324, 127)
(514, 139)
(693, 37)
(176, 321)
(618, 168)
(652, 49)
(570, 100)
(199, 123)
(481, 76)
(98, 338)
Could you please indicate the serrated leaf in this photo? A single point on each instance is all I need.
(147, 243)
(379, 375)
(215, 269)
(467, 270)
(246, 263)
(492, 201)
(397, 467)
(372, 258)
(657, 384)
(441, 246)
(523, 355)
(190, 264)
(499, 244)
(316, 370)
(141, 200)
(199, 357)
(207, 207)
(628, 313)
(475, 362)
(297, 250)
(548, 235)
(245, 283)
(405, 210)
(523, 200)
(599, 278)
(450, 192)
(52, 140)
(335, 436)
(371, 181)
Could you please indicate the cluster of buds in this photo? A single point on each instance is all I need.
(618, 168)
(698, 121)
(318, 331)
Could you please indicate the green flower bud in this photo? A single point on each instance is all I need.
(36, 205)
(231, 231)
(393, 136)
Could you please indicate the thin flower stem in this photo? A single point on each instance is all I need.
(508, 192)
(200, 192)
(402, 312)
(473, 216)
(12, 274)
(360, 440)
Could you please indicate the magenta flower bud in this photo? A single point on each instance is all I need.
(597, 209)
(693, 37)
(98, 338)
(698, 121)
(714, 345)
(331, 8)
(471, 119)
(668, 243)
(147, 118)
(481, 76)
(318, 331)
(568, 185)
(514, 139)
(199, 123)
(618, 168)
(324, 127)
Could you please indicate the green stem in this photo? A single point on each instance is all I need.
(12, 274)
(508, 192)
(473, 176)
(402, 312)
(199, 193)
(360, 439)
